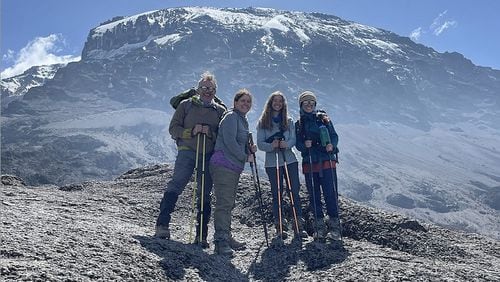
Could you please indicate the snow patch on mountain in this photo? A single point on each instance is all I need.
(33, 77)
(302, 25)
(168, 39)
(108, 27)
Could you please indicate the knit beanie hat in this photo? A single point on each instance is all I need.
(306, 95)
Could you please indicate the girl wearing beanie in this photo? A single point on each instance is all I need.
(317, 141)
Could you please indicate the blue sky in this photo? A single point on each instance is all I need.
(35, 32)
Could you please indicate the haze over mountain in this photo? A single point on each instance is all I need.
(419, 130)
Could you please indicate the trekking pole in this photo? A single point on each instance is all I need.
(202, 196)
(313, 194)
(336, 187)
(325, 140)
(290, 193)
(278, 192)
(256, 183)
(336, 192)
(195, 187)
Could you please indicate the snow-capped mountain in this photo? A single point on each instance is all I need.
(419, 130)
(14, 87)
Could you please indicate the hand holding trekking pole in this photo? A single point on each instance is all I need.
(205, 129)
(308, 143)
(283, 144)
(197, 129)
(329, 148)
(251, 155)
(275, 144)
(200, 128)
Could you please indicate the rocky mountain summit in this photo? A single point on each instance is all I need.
(419, 130)
(102, 230)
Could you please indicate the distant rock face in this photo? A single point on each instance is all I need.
(419, 130)
(103, 231)
(12, 180)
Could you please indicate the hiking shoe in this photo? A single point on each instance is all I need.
(285, 224)
(278, 234)
(162, 232)
(320, 230)
(333, 229)
(302, 233)
(235, 245)
(277, 242)
(333, 235)
(222, 248)
(203, 244)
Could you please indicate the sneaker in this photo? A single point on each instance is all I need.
(203, 244)
(235, 245)
(162, 232)
(222, 248)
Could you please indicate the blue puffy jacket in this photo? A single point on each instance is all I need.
(308, 128)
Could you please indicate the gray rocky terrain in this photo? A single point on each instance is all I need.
(102, 231)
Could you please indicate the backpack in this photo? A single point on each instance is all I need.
(177, 99)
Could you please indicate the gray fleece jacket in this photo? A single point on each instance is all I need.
(289, 137)
(232, 138)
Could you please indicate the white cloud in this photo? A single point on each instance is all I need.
(9, 57)
(415, 34)
(40, 51)
(438, 26)
(437, 21)
(444, 26)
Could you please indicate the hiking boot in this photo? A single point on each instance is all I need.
(162, 232)
(278, 233)
(333, 229)
(222, 248)
(333, 235)
(321, 230)
(285, 224)
(203, 244)
(277, 242)
(235, 245)
(302, 232)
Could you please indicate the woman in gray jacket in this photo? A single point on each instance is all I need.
(231, 151)
(276, 137)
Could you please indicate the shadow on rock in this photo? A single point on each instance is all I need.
(276, 261)
(178, 257)
(321, 255)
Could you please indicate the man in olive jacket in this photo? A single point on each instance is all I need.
(198, 115)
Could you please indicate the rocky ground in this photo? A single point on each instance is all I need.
(103, 231)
